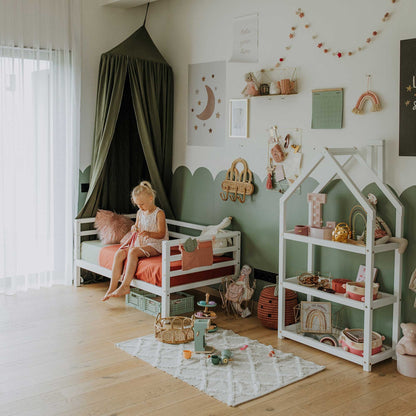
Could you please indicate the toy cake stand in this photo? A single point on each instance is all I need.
(206, 313)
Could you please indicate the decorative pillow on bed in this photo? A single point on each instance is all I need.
(111, 227)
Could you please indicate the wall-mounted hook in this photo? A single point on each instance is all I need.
(237, 183)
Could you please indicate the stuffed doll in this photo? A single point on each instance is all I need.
(239, 291)
(252, 85)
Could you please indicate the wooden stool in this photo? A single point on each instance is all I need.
(267, 307)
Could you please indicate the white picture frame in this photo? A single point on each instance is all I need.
(239, 118)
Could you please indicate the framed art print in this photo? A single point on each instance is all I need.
(239, 118)
(206, 104)
(315, 317)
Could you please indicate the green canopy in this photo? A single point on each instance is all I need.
(133, 126)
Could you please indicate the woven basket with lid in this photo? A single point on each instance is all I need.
(267, 307)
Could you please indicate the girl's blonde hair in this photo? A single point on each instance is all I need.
(143, 187)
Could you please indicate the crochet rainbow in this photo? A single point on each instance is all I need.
(368, 95)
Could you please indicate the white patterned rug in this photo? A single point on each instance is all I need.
(252, 372)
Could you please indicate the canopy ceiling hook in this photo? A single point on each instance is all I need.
(145, 16)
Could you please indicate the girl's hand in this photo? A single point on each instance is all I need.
(134, 228)
(144, 234)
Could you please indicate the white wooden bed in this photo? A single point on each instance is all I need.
(176, 238)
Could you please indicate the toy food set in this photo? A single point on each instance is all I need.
(356, 290)
(315, 280)
(352, 340)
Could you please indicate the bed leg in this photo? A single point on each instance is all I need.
(77, 276)
(165, 305)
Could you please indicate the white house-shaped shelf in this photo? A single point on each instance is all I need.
(333, 167)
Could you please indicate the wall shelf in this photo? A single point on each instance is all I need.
(333, 167)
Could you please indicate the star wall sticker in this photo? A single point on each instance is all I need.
(407, 103)
(409, 88)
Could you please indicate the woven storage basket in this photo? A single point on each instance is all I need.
(267, 307)
(174, 329)
(180, 302)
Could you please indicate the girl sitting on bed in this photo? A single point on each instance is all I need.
(148, 233)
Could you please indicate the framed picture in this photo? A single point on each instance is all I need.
(315, 317)
(239, 118)
(361, 274)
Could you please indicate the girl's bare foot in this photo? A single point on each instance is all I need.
(121, 291)
(107, 295)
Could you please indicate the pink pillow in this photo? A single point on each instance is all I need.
(111, 227)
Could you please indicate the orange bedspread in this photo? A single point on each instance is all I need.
(150, 269)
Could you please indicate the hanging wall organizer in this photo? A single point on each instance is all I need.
(237, 184)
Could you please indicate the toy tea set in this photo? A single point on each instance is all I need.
(206, 313)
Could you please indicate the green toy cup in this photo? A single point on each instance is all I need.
(215, 359)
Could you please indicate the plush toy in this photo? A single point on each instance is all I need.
(252, 85)
(407, 344)
(382, 232)
(216, 231)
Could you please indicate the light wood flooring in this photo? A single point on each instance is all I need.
(57, 357)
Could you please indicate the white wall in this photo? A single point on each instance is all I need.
(195, 31)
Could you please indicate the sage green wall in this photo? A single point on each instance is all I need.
(195, 198)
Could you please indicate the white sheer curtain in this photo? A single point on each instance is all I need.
(39, 125)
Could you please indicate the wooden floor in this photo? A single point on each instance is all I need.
(57, 357)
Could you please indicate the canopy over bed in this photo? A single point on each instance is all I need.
(133, 126)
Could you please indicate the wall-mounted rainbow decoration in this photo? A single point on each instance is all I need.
(368, 95)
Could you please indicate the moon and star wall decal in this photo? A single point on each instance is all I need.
(209, 109)
(206, 104)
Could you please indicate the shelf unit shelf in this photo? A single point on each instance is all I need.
(293, 332)
(383, 299)
(352, 248)
(369, 250)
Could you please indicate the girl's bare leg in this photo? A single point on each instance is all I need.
(132, 259)
(118, 263)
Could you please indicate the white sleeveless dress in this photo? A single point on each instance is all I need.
(149, 223)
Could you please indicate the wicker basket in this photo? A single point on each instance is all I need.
(267, 307)
(174, 330)
(180, 302)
